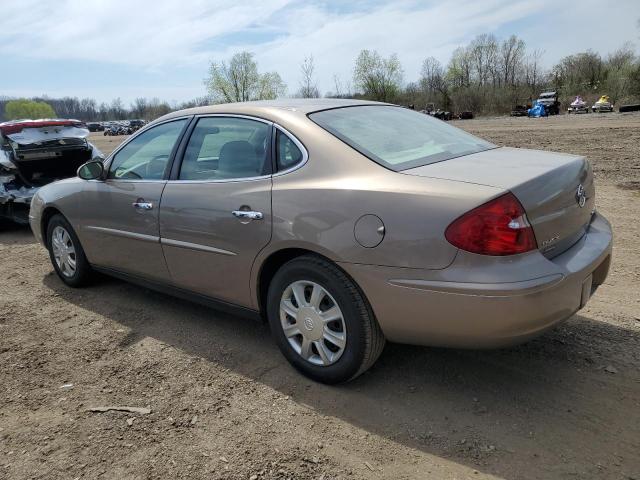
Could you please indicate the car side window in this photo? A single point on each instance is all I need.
(147, 155)
(287, 152)
(222, 148)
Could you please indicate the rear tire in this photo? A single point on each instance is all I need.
(66, 253)
(359, 341)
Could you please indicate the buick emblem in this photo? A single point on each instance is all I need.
(581, 196)
(308, 323)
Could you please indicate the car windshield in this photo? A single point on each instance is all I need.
(398, 138)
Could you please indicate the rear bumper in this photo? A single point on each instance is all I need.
(483, 302)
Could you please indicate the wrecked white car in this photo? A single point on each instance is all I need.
(34, 153)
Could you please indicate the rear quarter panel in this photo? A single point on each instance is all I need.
(317, 206)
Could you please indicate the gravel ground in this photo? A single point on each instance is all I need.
(225, 404)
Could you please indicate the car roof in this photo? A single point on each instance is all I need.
(266, 108)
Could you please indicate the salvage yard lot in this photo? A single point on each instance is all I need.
(225, 404)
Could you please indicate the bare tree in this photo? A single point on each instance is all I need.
(139, 107)
(338, 86)
(433, 80)
(512, 52)
(532, 69)
(308, 86)
(432, 75)
(483, 51)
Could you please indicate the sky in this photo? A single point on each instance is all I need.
(105, 49)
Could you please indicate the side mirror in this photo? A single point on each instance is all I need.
(92, 170)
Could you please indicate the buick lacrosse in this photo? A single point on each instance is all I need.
(343, 223)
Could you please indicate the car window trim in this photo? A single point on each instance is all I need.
(177, 164)
(297, 142)
(107, 163)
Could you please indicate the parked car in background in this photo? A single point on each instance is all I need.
(519, 111)
(112, 130)
(431, 110)
(344, 223)
(550, 102)
(136, 125)
(34, 153)
(118, 128)
(95, 127)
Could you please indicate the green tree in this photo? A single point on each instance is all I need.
(378, 78)
(23, 108)
(240, 81)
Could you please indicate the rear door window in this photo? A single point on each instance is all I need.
(224, 148)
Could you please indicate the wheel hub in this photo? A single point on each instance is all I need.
(64, 252)
(312, 323)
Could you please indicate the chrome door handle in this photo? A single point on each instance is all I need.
(249, 215)
(142, 205)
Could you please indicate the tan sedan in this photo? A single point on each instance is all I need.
(344, 223)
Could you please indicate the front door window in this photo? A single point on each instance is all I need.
(146, 157)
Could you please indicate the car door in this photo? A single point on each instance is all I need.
(215, 213)
(120, 230)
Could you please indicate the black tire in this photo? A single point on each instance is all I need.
(365, 340)
(83, 272)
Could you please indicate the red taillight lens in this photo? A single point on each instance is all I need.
(499, 227)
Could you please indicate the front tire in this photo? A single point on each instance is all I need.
(66, 253)
(321, 321)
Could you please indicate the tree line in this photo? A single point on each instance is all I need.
(491, 76)
(88, 109)
(487, 76)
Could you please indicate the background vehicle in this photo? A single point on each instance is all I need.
(342, 226)
(603, 105)
(136, 125)
(112, 130)
(629, 108)
(95, 127)
(578, 106)
(34, 153)
(519, 111)
(431, 110)
(550, 102)
(117, 129)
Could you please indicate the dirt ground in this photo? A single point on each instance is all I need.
(225, 404)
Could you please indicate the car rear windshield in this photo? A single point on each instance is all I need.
(396, 137)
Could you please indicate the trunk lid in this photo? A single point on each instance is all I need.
(556, 190)
(45, 150)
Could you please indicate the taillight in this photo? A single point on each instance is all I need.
(499, 227)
